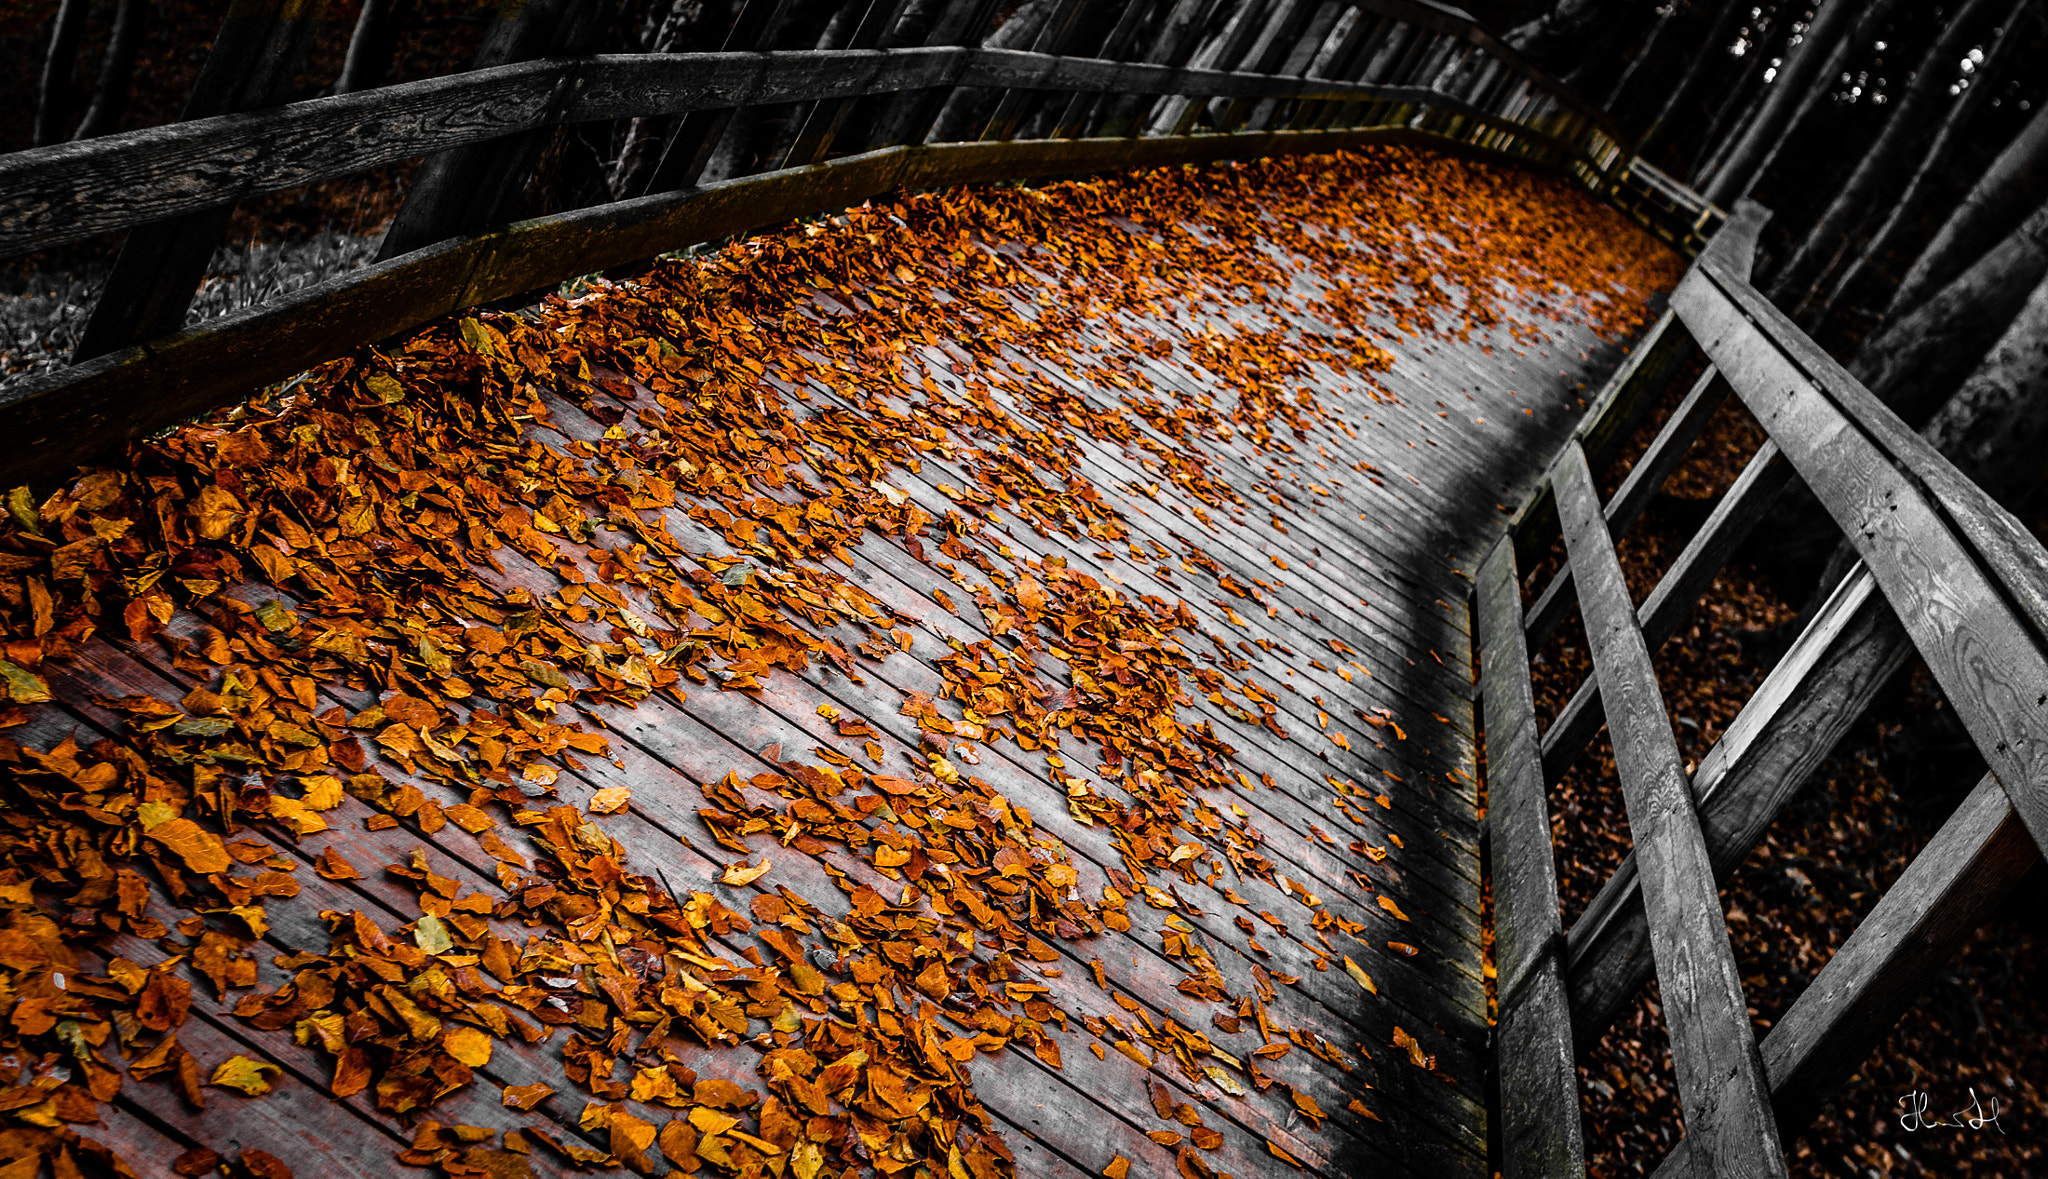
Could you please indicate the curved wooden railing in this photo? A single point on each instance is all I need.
(1293, 81)
(1943, 571)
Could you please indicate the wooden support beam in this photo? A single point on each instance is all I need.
(1949, 890)
(1720, 1073)
(1644, 480)
(1990, 660)
(1793, 722)
(1690, 574)
(1538, 1078)
(1628, 394)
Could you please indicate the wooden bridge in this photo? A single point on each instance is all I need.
(1016, 706)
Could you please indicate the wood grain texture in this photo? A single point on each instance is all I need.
(1674, 440)
(1951, 887)
(68, 192)
(75, 413)
(1538, 1079)
(1787, 728)
(1988, 659)
(1720, 1073)
(1660, 615)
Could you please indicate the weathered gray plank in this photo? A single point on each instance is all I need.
(1923, 920)
(1988, 661)
(1644, 480)
(1792, 723)
(1720, 1074)
(67, 192)
(1689, 576)
(1539, 1089)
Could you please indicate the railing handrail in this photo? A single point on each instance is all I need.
(1944, 570)
(67, 192)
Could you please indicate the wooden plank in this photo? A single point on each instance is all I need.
(1949, 890)
(1988, 660)
(1720, 1074)
(1539, 1084)
(1645, 479)
(1793, 722)
(1695, 568)
(72, 414)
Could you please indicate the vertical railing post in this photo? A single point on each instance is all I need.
(160, 266)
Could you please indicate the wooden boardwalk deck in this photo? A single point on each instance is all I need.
(1316, 547)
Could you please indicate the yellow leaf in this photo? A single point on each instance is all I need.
(471, 1046)
(710, 1121)
(1388, 904)
(245, 1075)
(610, 801)
(201, 850)
(1359, 976)
(743, 874)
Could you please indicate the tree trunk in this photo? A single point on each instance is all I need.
(1912, 366)
(1556, 39)
(1995, 427)
(372, 45)
(645, 135)
(1643, 54)
(1734, 176)
(1713, 49)
(2015, 182)
(1903, 211)
(1743, 100)
(1904, 132)
(1917, 360)
(117, 71)
(53, 94)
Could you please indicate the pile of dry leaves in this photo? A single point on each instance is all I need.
(252, 667)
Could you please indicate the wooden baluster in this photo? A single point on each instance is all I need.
(697, 133)
(1713, 1048)
(1177, 116)
(472, 188)
(1178, 41)
(1309, 40)
(1343, 62)
(1538, 1084)
(1053, 38)
(910, 117)
(160, 266)
(826, 119)
(1277, 43)
(1079, 107)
